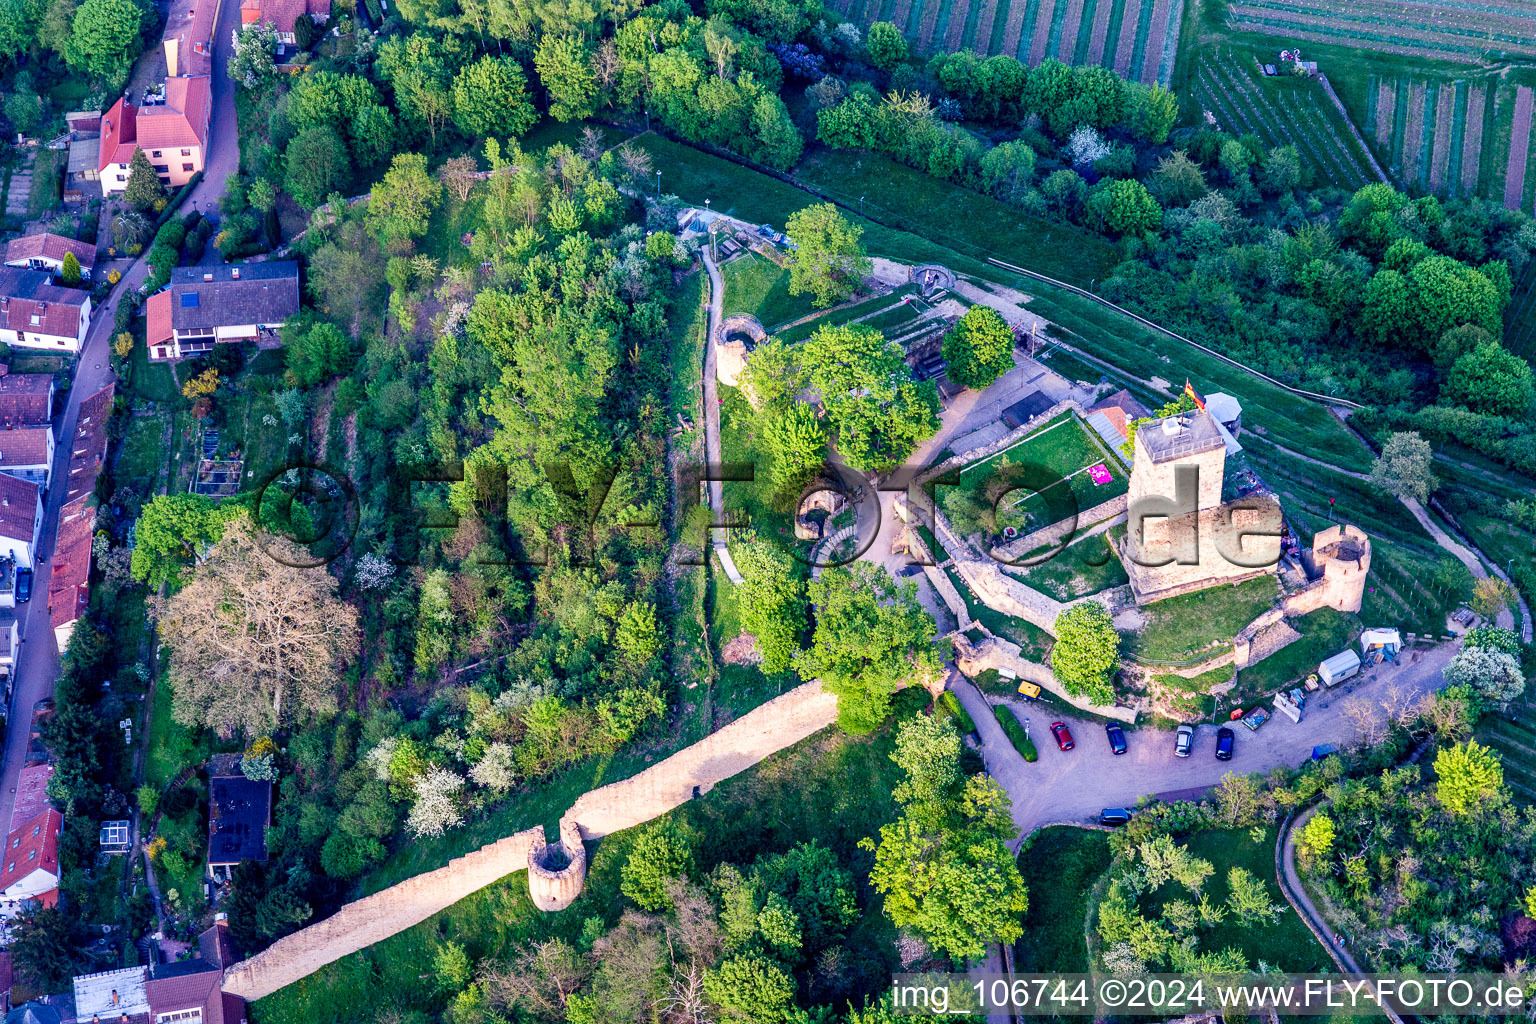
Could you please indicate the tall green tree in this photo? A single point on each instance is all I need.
(490, 97)
(564, 66)
(402, 202)
(1406, 467)
(796, 443)
(144, 188)
(871, 639)
(316, 164)
(104, 38)
(944, 866)
(879, 413)
(173, 531)
(1468, 775)
(886, 46)
(1492, 380)
(1086, 654)
(828, 261)
(772, 600)
(979, 348)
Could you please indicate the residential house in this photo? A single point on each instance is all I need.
(26, 399)
(69, 585)
(21, 520)
(179, 992)
(172, 133)
(113, 996)
(239, 813)
(36, 313)
(29, 867)
(204, 306)
(31, 794)
(10, 644)
(47, 252)
(188, 38)
(216, 945)
(27, 453)
(281, 15)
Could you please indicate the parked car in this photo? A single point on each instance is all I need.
(1063, 735)
(1224, 739)
(1114, 816)
(23, 585)
(1183, 741)
(1116, 737)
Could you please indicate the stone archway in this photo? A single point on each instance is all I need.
(734, 340)
(932, 278)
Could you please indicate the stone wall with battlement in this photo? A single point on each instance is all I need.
(1343, 554)
(1009, 439)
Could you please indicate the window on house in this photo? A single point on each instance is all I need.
(37, 830)
(122, 177)
(186, 167)
(155, 153)
(186, 152)
(15, 842)
(31, 856)
(11, 866)
(162, 168)
(192, 1016)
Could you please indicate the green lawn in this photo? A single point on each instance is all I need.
(45, 181)
(1060, 865)
(1185, 627)
(1084, 567)
(760, 287)
(152, 382)
(884, 313)
(172, 746)
(1034, 642)
(966, 221)
(142, 459)
(1054, 459)
(23, 361)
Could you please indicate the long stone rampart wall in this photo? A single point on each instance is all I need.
(555, 873)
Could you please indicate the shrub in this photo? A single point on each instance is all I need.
(949, 706)
(1016, 734)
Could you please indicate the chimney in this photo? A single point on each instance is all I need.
(208, 276)
(115, 999)
(236, 272)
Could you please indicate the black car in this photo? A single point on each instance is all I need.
(1114, 816)
(1224, 739)
(23, 585)
(1116, 737)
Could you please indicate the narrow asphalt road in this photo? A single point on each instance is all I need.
(38, 659)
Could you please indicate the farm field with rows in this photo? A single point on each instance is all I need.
(1458, 137)
(1281, 110)
(1139, 39)
(1461, 31)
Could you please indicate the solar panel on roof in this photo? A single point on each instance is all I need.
(188, 299)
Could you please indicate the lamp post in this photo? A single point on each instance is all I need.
(658, 186)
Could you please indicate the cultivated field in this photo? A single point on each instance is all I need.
(1283, 110)
(1137, 38)
(1463, 31)
(1460, 137)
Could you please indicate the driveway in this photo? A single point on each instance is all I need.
(1074, 786)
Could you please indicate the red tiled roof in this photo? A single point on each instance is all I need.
(199, 989)
(49, 246)
(18, 508)
(69, 585)
(182, 120)
(217, 946)
(32, 846)
(157, 316)
(117, 135)
(57, 310)
(25, 399)
(31, 794)
(89, 445)
(24, 446)
(282, 14)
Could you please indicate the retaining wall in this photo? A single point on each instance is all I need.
(1017, 548)
(997, 653)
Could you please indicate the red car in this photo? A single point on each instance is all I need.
(1063, 735)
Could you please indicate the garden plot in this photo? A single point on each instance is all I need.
(1285, 111)
(1452, 30)
(1138, 38)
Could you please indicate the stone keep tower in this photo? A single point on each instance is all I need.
(1180, 536)
(1343, 553)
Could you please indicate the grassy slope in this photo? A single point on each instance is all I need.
(757, 286)
(1182, 627)
(1059, 865)
(820, 787)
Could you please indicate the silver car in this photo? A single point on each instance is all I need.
(1183, 741)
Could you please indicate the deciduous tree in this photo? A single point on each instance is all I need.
(1468, 775)
(402, 202)
(1405, 468)
(490, 97)
(828, 261)
(255, 641)
(104, 38)
(979, 348)
(1086, 654)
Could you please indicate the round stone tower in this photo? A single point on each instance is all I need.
(1343, 553)
(556, 873)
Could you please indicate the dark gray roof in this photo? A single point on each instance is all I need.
(33, 1013)
(239, 811)
(241, 293)
(1190, 434)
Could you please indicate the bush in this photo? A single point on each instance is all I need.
(1016, 734)
(949, 706)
